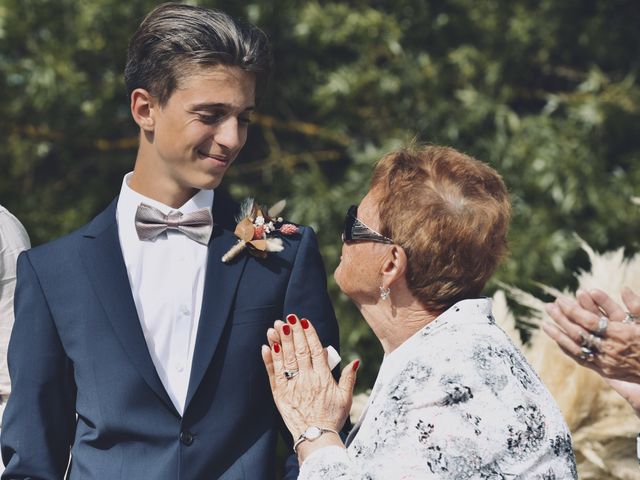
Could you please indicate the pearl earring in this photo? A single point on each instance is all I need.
(384, 293)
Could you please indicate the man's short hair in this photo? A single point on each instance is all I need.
(450, 213)
(175, 39)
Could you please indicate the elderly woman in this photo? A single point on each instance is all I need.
(599, 334)
(454, 398)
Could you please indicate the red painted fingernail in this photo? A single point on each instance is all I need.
(291, 318)
(276, 347)
(286, 329)
(356, 365)
(305, 323)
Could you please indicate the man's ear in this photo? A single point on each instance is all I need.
(143, 106)
(394, 266)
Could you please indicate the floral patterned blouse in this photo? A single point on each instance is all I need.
(455, 401)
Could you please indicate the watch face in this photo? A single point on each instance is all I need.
(312, 433)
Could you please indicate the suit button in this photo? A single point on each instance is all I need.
(186, 437)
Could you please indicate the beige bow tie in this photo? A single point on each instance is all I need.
(151, 222)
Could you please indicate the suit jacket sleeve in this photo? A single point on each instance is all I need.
(307, 297)
(39, 420)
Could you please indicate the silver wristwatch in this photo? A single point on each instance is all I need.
(312, 433)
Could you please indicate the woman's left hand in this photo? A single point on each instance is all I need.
(303, 388)
(612, 351)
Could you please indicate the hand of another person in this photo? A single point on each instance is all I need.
(630, 391)
(303, 388)
(579, 330)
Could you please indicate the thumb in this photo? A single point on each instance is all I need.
(348, 377)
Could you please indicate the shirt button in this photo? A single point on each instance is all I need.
(179, 367)
(184, 310)
(186, 437)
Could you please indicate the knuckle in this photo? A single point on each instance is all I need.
(573, 312)
(634, 305)
(317, 356)
(301, 352)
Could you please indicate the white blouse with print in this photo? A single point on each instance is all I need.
(455, 401)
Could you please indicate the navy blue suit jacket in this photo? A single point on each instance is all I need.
(84, 384)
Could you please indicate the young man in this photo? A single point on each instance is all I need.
(136, 352)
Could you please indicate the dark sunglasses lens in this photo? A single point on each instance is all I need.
(349, 221)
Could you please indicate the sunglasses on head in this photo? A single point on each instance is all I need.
(356, 231)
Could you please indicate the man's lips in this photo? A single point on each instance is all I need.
(220, 158)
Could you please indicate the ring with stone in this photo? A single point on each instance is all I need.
(630, 318)
(603, 323)
(594, 342)
(289, 374)
(587, 354)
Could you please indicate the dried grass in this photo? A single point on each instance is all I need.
(603, 425)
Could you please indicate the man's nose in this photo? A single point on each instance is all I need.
(228, 134)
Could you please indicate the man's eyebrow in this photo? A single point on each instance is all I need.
(216, 106)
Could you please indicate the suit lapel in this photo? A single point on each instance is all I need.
(102, 257)
(221, 283)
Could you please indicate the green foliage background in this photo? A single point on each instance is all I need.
(546, 91)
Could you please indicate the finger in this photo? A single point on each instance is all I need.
(568, 328)
(576, 315)
(631, 301)
(566, 344)
(553, 311)
(586, 302)
(610, 308)
(273, 337)
(288, 352)
(318, 354)
(577, 359)
(348, 378)
(562, 339)
(301, 347)
(268, 363)
(278, 365)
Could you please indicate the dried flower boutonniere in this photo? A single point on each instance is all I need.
(255, 227)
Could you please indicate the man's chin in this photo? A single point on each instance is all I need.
(206, 181)
(212, 184)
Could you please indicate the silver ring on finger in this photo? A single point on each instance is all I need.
(630, 318)
(587, 354)
(597, 343)
(585, 340)
(603, 323)
(594, 342)
(289, 374)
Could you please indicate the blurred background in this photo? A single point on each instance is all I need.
(545, 91)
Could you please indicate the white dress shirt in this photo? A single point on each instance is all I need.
(457, 400)
(166, 276)
(13, 240)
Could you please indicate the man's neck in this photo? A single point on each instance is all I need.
(146, 181)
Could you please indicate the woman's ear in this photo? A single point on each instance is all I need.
(394, 266)
(143, 107)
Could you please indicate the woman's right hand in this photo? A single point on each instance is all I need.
(305, 392)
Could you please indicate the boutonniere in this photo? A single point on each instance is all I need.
(255, 230)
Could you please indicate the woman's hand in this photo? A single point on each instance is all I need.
(303, 388)
(617, 350)
(630, 391)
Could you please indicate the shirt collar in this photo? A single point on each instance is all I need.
(471, 310)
